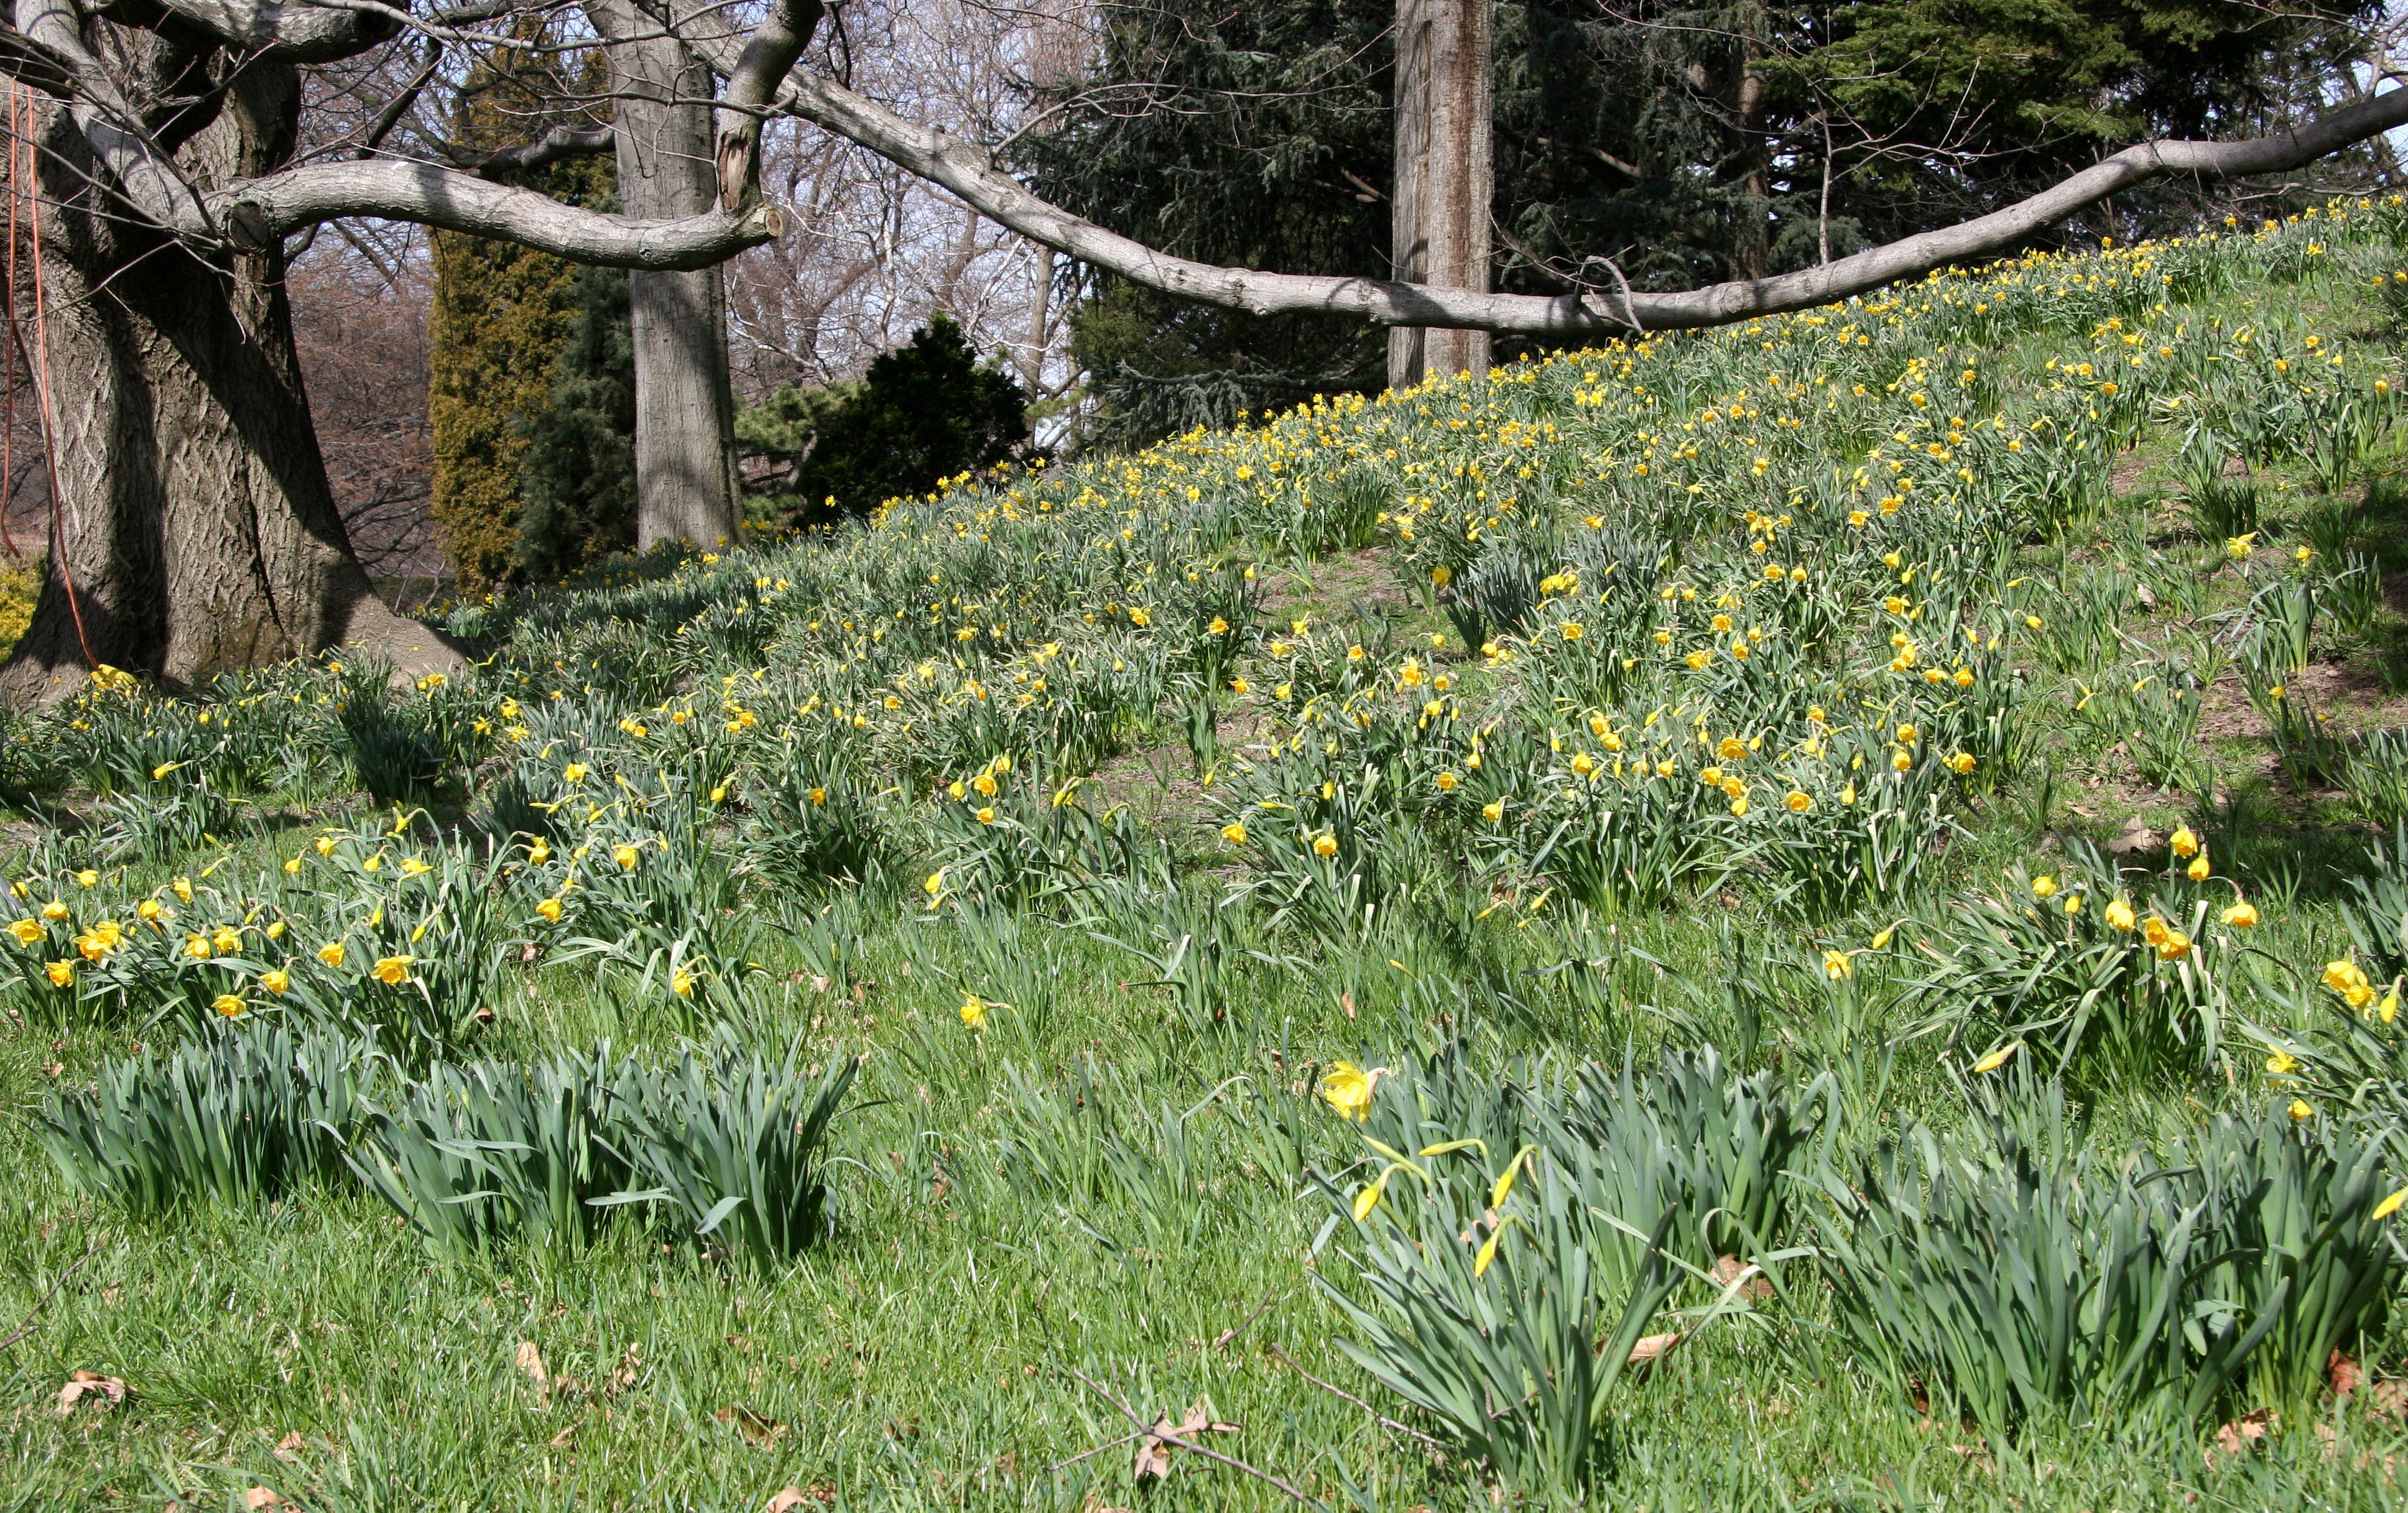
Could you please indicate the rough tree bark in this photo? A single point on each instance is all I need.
(196, 525)
(1445, 176)
(685, 408)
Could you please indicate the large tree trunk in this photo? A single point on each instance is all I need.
(196, 532)
(1445, 176)
(685, 410)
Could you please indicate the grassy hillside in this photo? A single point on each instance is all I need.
(1808, 916)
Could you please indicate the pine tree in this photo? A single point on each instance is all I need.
(924, 411)
(576, 476)
(499, 318)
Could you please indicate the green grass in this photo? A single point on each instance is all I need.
(1133, 1182)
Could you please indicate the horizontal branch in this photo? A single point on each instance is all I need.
(970, 175)
(558, 143)
(260, 212)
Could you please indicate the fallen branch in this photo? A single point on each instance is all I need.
(1385, 1423)
(26, 1326)
(1171, 1436)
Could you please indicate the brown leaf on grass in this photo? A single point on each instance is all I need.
(560, 1441)
(259, 1498)
(2136, 840)
(2343, 1374)
(107, 1391)
(1153, 1450)
(2238, 1437)
(790, 1498)
(288, 1449)
(630, 1365)
(1653, 1347)
(1728, 1270)
(2390, 1397)
(759, 1430)
(529, 1359)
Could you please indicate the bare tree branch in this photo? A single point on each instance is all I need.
(257, 211)
(969, 173)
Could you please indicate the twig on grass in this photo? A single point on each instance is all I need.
(1385, 1423)
(1171, 1436)
(26, 1326)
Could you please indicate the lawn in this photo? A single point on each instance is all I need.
(1809, 915)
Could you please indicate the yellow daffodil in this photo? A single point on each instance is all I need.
(550, 910)
(62, 974)
(276, 981)
(2183, 842)
(1347, 1088)
(331, 954)
(393, 971)
(229, 1004)
(1998, 1058)
(2120, 915)
(1837, 966)
(1234, 833)
(2241, 915)
(2043, 887)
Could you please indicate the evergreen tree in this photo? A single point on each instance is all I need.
(924, 411)
(577, 476)
(1269, 149)
(498, 321)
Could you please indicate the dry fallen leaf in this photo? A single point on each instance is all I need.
(107, 1390)
(2136, 840)
(759, 1432)
(1729, 1270)
(2343, 1373)
(259, 1498)
(288, 1447)
(2390, 1397)
(1653, 1347)
(530, 1362)
(1153, 1450)
(2236, 1438)
(790, 1498)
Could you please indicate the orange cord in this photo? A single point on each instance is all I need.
(22, 109)
(9, 359)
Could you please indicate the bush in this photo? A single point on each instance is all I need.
(926, 411)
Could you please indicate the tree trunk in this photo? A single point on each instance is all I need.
(685, 408)
(1445, 179)
(196, 530)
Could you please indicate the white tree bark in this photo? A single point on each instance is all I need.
(1444, 179)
